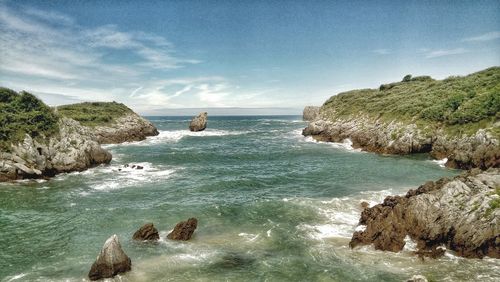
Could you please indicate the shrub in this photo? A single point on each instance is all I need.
(407, 78)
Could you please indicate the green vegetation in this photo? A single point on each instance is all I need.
(94, 113)
(459, 104)
(22, 113)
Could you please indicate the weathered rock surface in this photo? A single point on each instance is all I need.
(480, 150)
(417, 278)
(183, 230)
(128, 128)
(459, 214)
(310, 113)
(199, 122)
(73, 149)
(147, 232)
(111, 261)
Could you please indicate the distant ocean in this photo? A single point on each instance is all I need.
(271, 204)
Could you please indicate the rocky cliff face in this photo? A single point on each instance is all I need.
(130, 127)
(461, 214)
(479, 150)
(310, 113)
(73, 149)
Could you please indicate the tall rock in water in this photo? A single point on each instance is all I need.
(199, 123)
(183, 230)
(111, 261)
(310, 113)
(147, 232)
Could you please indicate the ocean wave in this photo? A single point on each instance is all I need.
(441, 162)
(172, 136)
(122, 176)
(340, 215)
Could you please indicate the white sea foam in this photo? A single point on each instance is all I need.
(18, 276)
(172, 136)
(122, 176)
(441, 162)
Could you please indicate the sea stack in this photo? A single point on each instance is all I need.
(310, 113)
(147, 232)
(199, 123)
(111, 261)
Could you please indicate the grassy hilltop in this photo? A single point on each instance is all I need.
(94, 113)
(22, 113)
(457, 104)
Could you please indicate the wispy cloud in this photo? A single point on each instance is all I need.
(382, 51)
(445, 52)
(484, 37)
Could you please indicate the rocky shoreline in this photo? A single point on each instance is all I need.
(74, 148)
(461, 214)
(128, 128)
(480, 150)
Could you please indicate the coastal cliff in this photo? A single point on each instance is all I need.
(37, 141)
(110, 122)
(456, 118)
(461, 214)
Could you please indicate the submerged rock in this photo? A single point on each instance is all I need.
(147, 232)
(310, 113)
(183, 230)
(111, 261)
(461, 214)
(199, 123)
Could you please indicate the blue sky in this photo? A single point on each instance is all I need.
(156, 56)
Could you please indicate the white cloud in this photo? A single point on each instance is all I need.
(445, 52)
(484, 37)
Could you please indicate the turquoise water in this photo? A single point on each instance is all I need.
(272, 205)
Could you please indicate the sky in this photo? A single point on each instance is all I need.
(236, 57)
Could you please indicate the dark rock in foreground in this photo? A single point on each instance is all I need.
(199, 123)
(183, 230)
(147, 232)
(461, 214)
(310, 113)
(111, 261)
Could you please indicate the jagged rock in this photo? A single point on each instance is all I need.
(417, 278)
(365, 205)
(460, 214)
(73, 149)
(310, 113)
(480, 150)
(147, 232)
(111, 261)
(130, 127)
(199, 123)
(183, 230)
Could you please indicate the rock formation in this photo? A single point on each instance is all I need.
(111, 261)
(461, 214)
(130, 127)
(199, 123)
(310, 113)
(73, 149)
(480, 150)
(183, 230)
(147, 232)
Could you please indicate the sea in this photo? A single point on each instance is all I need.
(271, 204)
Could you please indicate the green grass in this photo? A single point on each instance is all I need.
(22, 113)
(460, 105)
(94, 113)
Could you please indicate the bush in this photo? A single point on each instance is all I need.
(94, 113)
(407, 78)
(22, 114)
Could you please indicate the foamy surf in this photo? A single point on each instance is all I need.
(441, 162)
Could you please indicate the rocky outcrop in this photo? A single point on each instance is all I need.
(147, 232)
(111, 261)
(461, 214)
(310, 113)
(183, 230)
(480, 150)
(73, 149)
(128, 128)
(199, 122)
